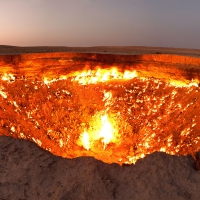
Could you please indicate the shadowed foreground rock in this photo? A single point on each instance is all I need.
(28, 172)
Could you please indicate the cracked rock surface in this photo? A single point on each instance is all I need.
(29, 172)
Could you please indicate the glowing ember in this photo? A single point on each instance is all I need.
(113, 114)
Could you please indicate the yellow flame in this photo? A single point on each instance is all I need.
(107, 132)
(107, 96)
(102, 75)
(85, 140)
(129, 74)
(7, 77)
(180, 83)
(101, 130)
(98, 75)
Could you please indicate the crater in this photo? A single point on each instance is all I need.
(115, 108)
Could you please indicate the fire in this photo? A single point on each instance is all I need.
(85, 140)
(99, 75)
(178, 83)
(100, 130)
(121, 120)
(102, 75)
(107, 131)
(90, 76)
(8, 77)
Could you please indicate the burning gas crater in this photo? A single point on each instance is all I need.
(114, 115)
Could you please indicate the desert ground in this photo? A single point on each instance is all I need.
(29, 172)
(132, 50)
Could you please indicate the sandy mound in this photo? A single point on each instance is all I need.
(28, 172)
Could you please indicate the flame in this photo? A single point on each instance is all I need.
(99, 75)
(8, 77)
(101, 130)
(92, 76)
(180, 83)
(107, 96)
(102, 75)
(85, 140)
(131, 119)
(2, 93)
(107, 131)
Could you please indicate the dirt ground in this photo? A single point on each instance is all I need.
(28, 172)
(130, 50)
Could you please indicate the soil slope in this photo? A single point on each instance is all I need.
(28, 172)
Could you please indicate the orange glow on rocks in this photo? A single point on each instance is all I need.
(113, 107)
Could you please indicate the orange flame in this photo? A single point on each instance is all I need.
(98, 75)
(101, 130)
(103, 75)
